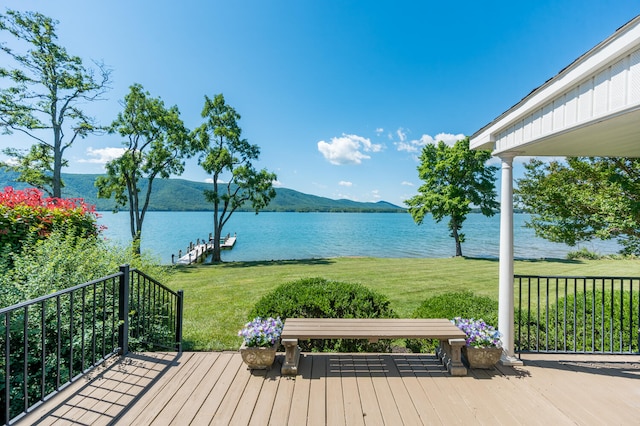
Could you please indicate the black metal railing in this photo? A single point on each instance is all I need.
(155, 316)
(49, 342)
(577, 314)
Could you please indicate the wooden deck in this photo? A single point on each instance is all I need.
(202, 388)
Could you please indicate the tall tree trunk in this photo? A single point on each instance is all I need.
(56, 184)
(216, 257)
(454, 232)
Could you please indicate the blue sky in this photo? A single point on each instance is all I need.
(340, 96)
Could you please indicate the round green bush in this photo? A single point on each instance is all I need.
(450, 305)
(320, 298)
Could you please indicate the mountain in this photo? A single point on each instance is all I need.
(185, 195)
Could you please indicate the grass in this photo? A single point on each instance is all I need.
(219, 297)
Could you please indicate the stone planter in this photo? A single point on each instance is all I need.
(481, 357)
(258, 358)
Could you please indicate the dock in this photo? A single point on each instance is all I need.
(199, 251)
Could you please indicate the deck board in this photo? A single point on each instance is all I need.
(264, 405)
(300, 397)
(317, 414)
(334, 397)
(348, 389)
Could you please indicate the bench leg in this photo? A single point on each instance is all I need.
(291, 357)
(450, 353)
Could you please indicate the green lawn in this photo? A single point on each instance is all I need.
(219, 297)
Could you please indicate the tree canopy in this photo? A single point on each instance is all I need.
(455, 180)
(41, 95)
(582, 199)
(156, 143)
(229, 158)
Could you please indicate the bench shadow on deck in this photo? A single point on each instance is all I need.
(216, 388)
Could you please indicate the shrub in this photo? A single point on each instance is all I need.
(58, 262)
(583, 253)
(62, 261)
(450, 305)
(319, 298)
(27, 216)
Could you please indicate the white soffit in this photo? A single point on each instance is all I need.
(591, 108)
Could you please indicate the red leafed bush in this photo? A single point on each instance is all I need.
(26, 215)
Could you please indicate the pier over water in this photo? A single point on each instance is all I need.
(199, 251)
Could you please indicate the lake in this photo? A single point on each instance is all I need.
(283, 236)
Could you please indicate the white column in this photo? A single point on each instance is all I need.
(505, 296)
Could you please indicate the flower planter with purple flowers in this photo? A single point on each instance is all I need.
(483, 346)
(261, 338)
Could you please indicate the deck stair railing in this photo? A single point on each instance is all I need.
(50, 342)
(577, 314)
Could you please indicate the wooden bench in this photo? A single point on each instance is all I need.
(451, 337)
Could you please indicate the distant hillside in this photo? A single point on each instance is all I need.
(185, 195)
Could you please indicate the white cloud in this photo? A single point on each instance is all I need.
(10, 161)
(379, 131)
(345, 183)
(210, 180)
(102, 155)
(376, 194)
(347, 149)
(416, 145)
(276, 183)
(405, 183)
(408, 147)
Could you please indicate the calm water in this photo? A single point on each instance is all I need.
(281, 236)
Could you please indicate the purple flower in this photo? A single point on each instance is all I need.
(479, 334)
(261, 332)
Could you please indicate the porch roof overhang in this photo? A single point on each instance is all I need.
(591, 108)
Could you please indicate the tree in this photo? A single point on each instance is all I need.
(225, 155)
(41, 97)
(455, 179)
(34, 167)
(583, 199)
(156, 144)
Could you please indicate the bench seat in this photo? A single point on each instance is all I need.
(372, 329)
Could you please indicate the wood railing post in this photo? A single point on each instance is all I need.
(123, 310)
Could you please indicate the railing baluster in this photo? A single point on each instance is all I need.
(25, 360)
(7, 365)
(593, 316)
(114, 308)
(104, 318)
(83, 329)
(557, 319)
(584, 315)
(604, 320)
(58, 343)
(138, 313)
(611, 320)
(577, 317)
(638, 317)
(631, 317)
(538, 315)
(93, 329)
(546, 298)
(43, 349)
(621, 315)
